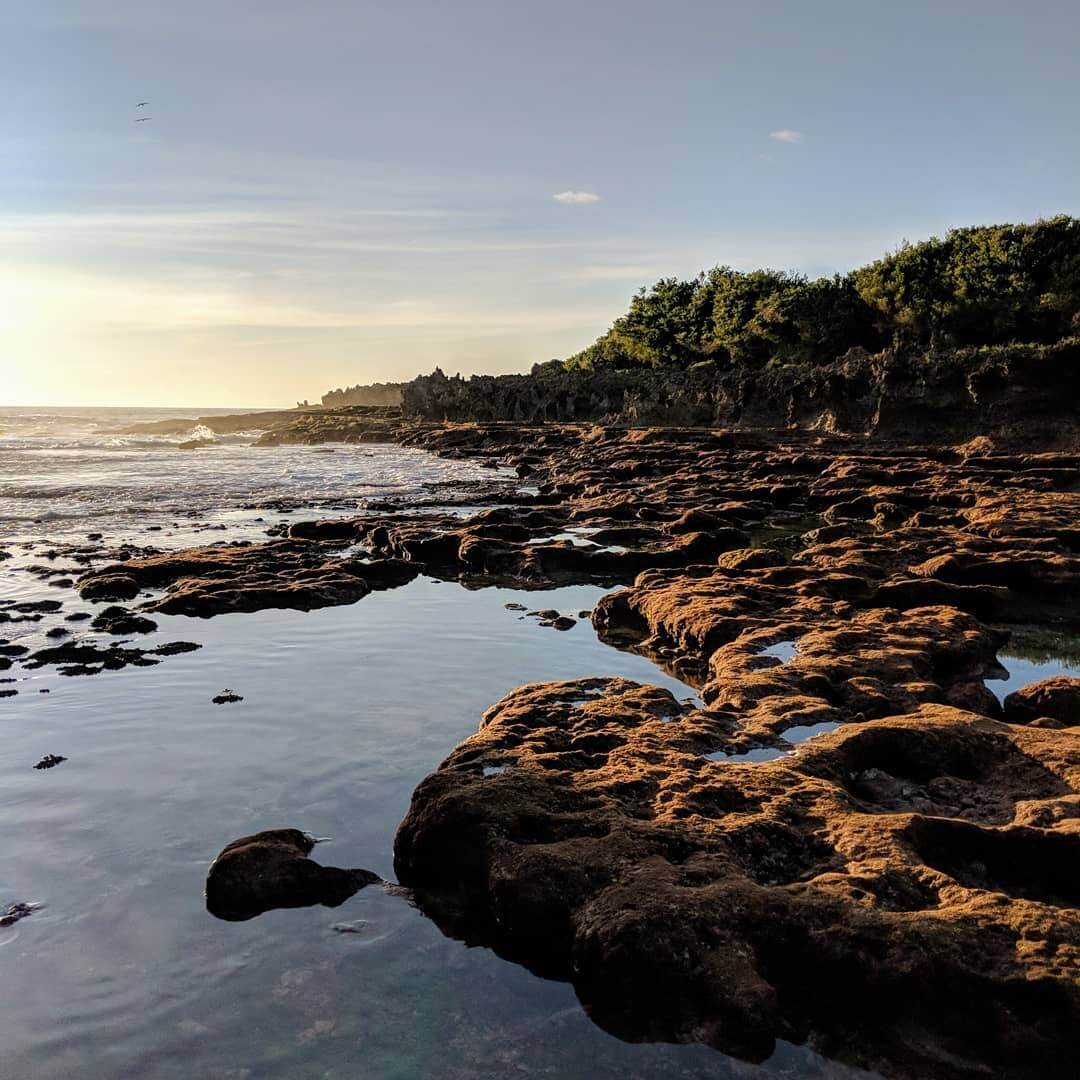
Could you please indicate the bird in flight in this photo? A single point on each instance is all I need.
(141, 104)
(142, 118)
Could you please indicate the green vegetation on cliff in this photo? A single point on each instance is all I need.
(982, 286)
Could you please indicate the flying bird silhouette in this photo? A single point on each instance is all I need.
(141, 104)
(142, 118)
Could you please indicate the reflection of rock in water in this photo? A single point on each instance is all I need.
(272, 870)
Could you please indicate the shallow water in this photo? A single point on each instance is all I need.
(1021, 672)
(122, 972)
(1032, 654)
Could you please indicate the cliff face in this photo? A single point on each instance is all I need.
(1009, 392)
(373, 394)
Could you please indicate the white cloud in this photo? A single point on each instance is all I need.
(576, 198)
(786, 135)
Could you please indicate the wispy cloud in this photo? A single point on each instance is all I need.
(786, 135)
(576, 198)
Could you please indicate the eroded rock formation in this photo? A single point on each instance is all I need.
(903, 891)
(952, 394)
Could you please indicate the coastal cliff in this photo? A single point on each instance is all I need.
(1021, 391)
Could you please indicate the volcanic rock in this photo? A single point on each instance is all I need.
(1057, 698)
(272, 870)
(121, 620)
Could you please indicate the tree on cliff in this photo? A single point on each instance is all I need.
(977, 286)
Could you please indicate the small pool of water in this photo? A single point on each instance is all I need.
(782, 650)
(796, 736)
(1034, 654)
(752, 757)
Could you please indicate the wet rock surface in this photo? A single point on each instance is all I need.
(120, 620)
(296, 574)
(272, 869)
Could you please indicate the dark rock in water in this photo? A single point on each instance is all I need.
(121, 620)
(109, 587)
(14, 912)
(62, 583)
(225, 697)
(80, 655)
(514, 607)
(382, 573)
(78, 616)
(8, 693)
(50, 761)
(13, 650)
(1057, 698)
(272, 870)
(234, 577)
(564, 622)
(37, 607)
(174, 648)
(57, 632)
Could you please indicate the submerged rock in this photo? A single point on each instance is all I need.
(226, 697)
(121, 620)
(14, 912)
(272, 870)
(50, 761)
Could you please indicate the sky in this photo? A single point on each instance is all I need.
(341, 191)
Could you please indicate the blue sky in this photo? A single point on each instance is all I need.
(336, 192)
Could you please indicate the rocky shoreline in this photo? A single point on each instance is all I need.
(849, 841)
